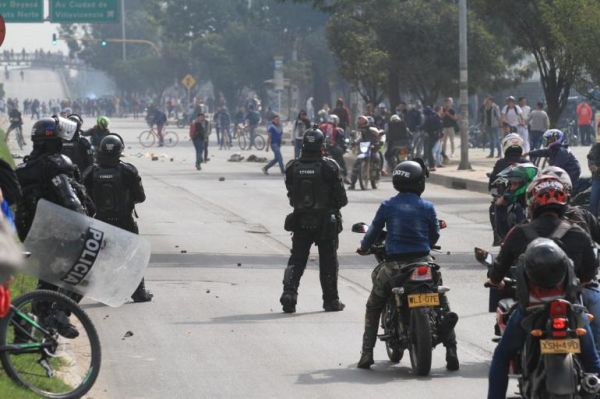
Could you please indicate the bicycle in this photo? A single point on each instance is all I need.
(49, 345)
(244, 140)
(147, 138)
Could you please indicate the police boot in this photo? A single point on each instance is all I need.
(288, 301)
(366, 359)
(333, 306)
(141, 294)
(59, 321)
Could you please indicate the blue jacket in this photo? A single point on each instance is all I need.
(411, 222)
(560, 156)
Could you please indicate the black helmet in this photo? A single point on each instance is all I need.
(46, 129)
(546, 264)
(111, 148)
(77, 119)
(313, 141)
(409, 176)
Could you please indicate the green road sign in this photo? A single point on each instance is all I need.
(22, 10)
(84, 11)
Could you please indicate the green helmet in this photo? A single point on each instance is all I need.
(103, 121)
(517, 178)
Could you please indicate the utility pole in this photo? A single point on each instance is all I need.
(123, 32)
(464, 86)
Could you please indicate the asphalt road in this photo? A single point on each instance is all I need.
(215, 328)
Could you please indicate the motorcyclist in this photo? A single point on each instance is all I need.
(16, 121)
(368, 133)
(512, 146)
(79, 149)
(546, 270)
(412, 230)
(558, 154)
(116, 187)
(98, 132)
(510, 204)
(397, 136)
(335, 141)
(316, 191)
(547, 199)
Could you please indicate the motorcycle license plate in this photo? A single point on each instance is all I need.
(423, 300)
(559, 346)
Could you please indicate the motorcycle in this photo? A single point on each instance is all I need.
(412, 318)
(369, 161)
(548, 366)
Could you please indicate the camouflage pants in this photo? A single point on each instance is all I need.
(383, 277)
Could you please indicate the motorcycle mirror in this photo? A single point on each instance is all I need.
(360, 227)
(443, 224)
(484, 257)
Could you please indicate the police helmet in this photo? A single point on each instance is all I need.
(54, 128)
(409, 176)
(313, 141)
(545, 263)
(111, 148)
(77, 119)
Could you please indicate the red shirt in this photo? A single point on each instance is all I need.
(584, 114)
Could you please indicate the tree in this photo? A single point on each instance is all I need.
(557, 33)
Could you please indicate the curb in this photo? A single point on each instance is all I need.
(459, 183)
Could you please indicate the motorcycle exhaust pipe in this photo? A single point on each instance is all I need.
(591, 383)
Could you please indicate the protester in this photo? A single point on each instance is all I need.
(584, 122)
(300, 126)
(490, 123)
(275, 132)
(198, 132)
(538, 122)
(450, 124)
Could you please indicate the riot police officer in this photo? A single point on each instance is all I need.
(79, 149)
(116, 187)
(316, 191)
(48, 174)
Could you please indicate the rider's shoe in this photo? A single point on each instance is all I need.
(452, 359)
(333, 306)
(288, 302)
(366, 359)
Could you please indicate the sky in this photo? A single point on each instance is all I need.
(32, 37)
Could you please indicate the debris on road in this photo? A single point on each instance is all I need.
(236, 157)
(221, 178)
(208, 291)
(183, 251)
(128, 334)
(239, 265)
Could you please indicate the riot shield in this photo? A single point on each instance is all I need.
(85, 255)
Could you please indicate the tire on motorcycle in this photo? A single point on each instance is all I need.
(420, 341)
(394, 352)
(364, 174)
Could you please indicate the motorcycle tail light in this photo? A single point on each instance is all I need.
(560, 323)
(421, 273)
(558, 308)
(559, 334)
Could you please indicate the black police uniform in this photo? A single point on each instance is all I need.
(316, 192)
(80, 151)
(116, 187)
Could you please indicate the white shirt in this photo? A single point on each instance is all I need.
(526, 111)
(512, 117)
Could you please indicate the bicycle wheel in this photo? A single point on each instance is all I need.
(171, 139)
(38, 354)
(242, 141)
(147, 138)
(259, 142)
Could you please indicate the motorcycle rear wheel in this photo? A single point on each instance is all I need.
(420, 341)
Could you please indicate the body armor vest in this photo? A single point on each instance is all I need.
(112, 197)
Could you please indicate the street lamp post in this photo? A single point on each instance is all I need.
(123, 32)
(464, 86)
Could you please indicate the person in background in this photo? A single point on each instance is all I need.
(584, 122)
(490, 123)
(524, 128)
(432, 126)
(449, 122)
(512, 115)
(538, 122)
(275, 132)
(301, 125)
(225, 126)
(198, 130)
(253, 119)
(343, 113)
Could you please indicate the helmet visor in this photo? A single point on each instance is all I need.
(66, 128)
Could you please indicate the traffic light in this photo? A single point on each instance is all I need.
(104, 43)
(54, 39)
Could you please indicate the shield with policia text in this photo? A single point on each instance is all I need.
(85, 255)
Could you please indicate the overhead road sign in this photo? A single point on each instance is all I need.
(85, 11)
(188, 81)
(22, 10)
